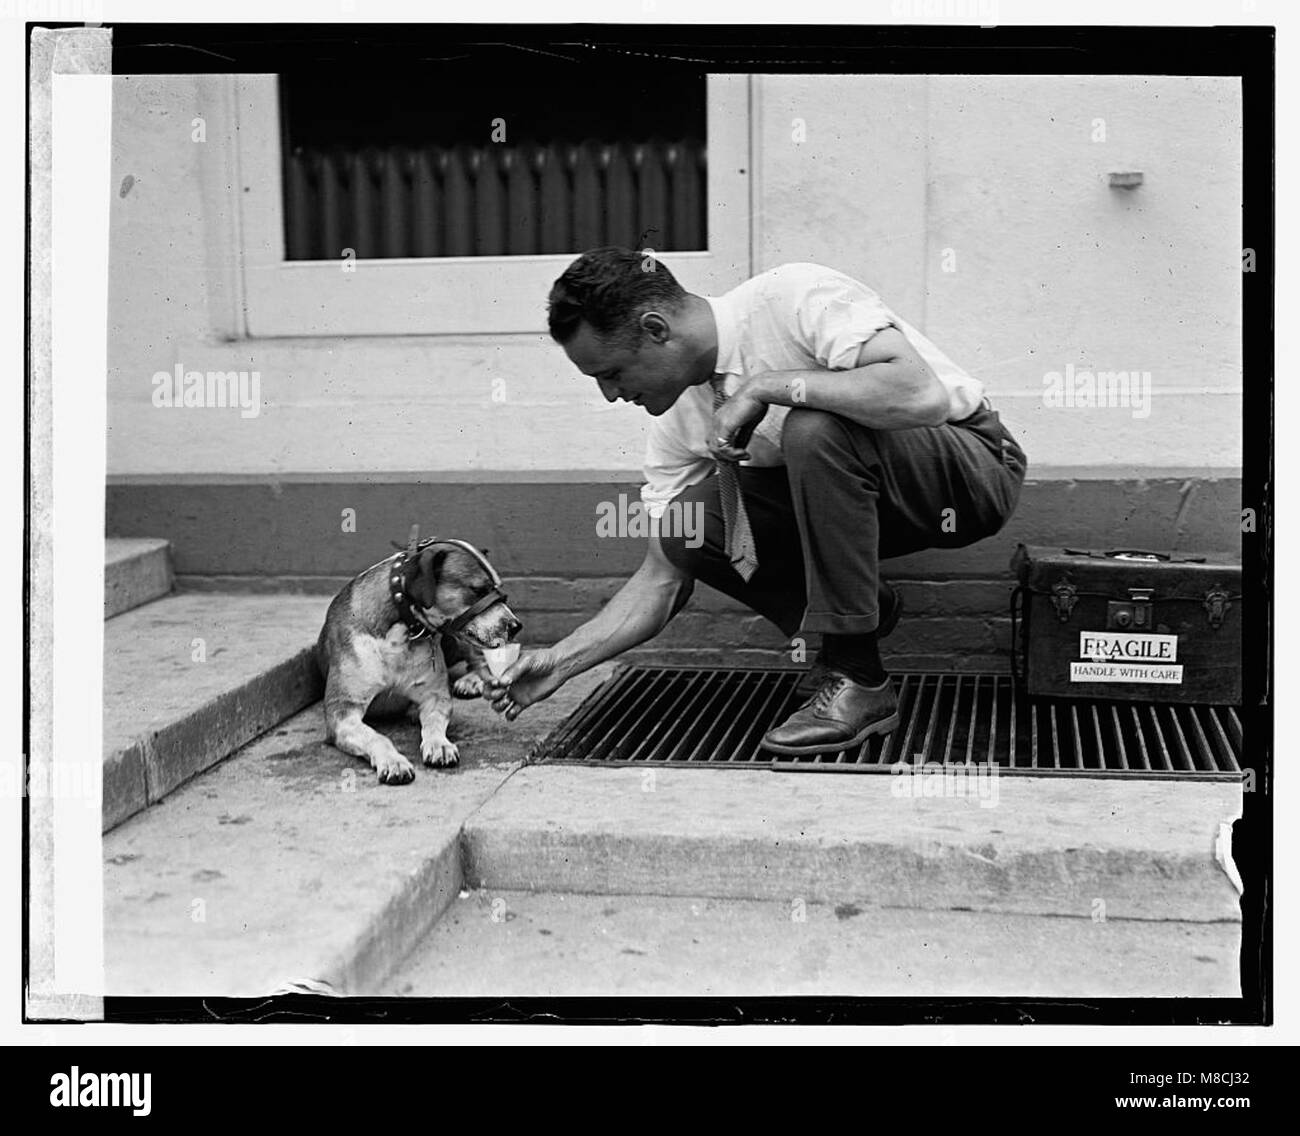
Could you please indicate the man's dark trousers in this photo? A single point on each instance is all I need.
(847, 498)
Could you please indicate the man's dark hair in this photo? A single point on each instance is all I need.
(610, 288)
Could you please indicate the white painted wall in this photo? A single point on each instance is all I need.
(1052, 268)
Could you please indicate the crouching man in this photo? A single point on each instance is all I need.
(820, 433)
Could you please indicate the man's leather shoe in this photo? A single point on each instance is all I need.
(891, 607)
(841, 715)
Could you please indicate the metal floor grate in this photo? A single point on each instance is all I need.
(692, 716)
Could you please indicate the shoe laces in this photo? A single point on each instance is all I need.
(831, 685)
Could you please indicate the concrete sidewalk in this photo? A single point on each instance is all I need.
(520, 944)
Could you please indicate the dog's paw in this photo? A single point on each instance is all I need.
(468, 686)
(441, 752)
(396, 771)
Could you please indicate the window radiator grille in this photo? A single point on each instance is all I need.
(494, 200)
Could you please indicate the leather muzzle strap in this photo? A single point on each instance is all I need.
(402, 573)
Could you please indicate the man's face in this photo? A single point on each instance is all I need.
(650, 376)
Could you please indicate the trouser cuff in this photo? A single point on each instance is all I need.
(831, 623)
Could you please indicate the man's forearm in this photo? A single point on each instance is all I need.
(884, 396)
(891, 388)
(637, 612)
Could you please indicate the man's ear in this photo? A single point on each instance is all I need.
(654, 326)
(424, 585)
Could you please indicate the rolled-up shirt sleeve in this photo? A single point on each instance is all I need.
(836, 316)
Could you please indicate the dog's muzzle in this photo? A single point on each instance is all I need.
(416, 623)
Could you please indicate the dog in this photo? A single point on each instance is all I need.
(405, 634)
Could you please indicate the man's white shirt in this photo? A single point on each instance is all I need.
(798, 317)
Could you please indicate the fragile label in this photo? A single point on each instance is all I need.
(1119, 647)
(1126, 672)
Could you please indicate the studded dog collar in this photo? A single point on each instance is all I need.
(401, 572)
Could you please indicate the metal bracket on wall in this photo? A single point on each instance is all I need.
(1125, 179)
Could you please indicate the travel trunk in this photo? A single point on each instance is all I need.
(1127, 624)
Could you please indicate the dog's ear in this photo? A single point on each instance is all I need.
(424, 586)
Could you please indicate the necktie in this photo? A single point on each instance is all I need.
(737, 534)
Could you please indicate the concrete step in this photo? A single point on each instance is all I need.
(289, 861)
(135, 572)
(523, 944)
(189, 679)
(1008, 844)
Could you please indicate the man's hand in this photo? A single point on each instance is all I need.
(639, 610)
(733, 424)
(531, 678)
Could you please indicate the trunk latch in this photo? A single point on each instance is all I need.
(1216, 606)
(1063, 597)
